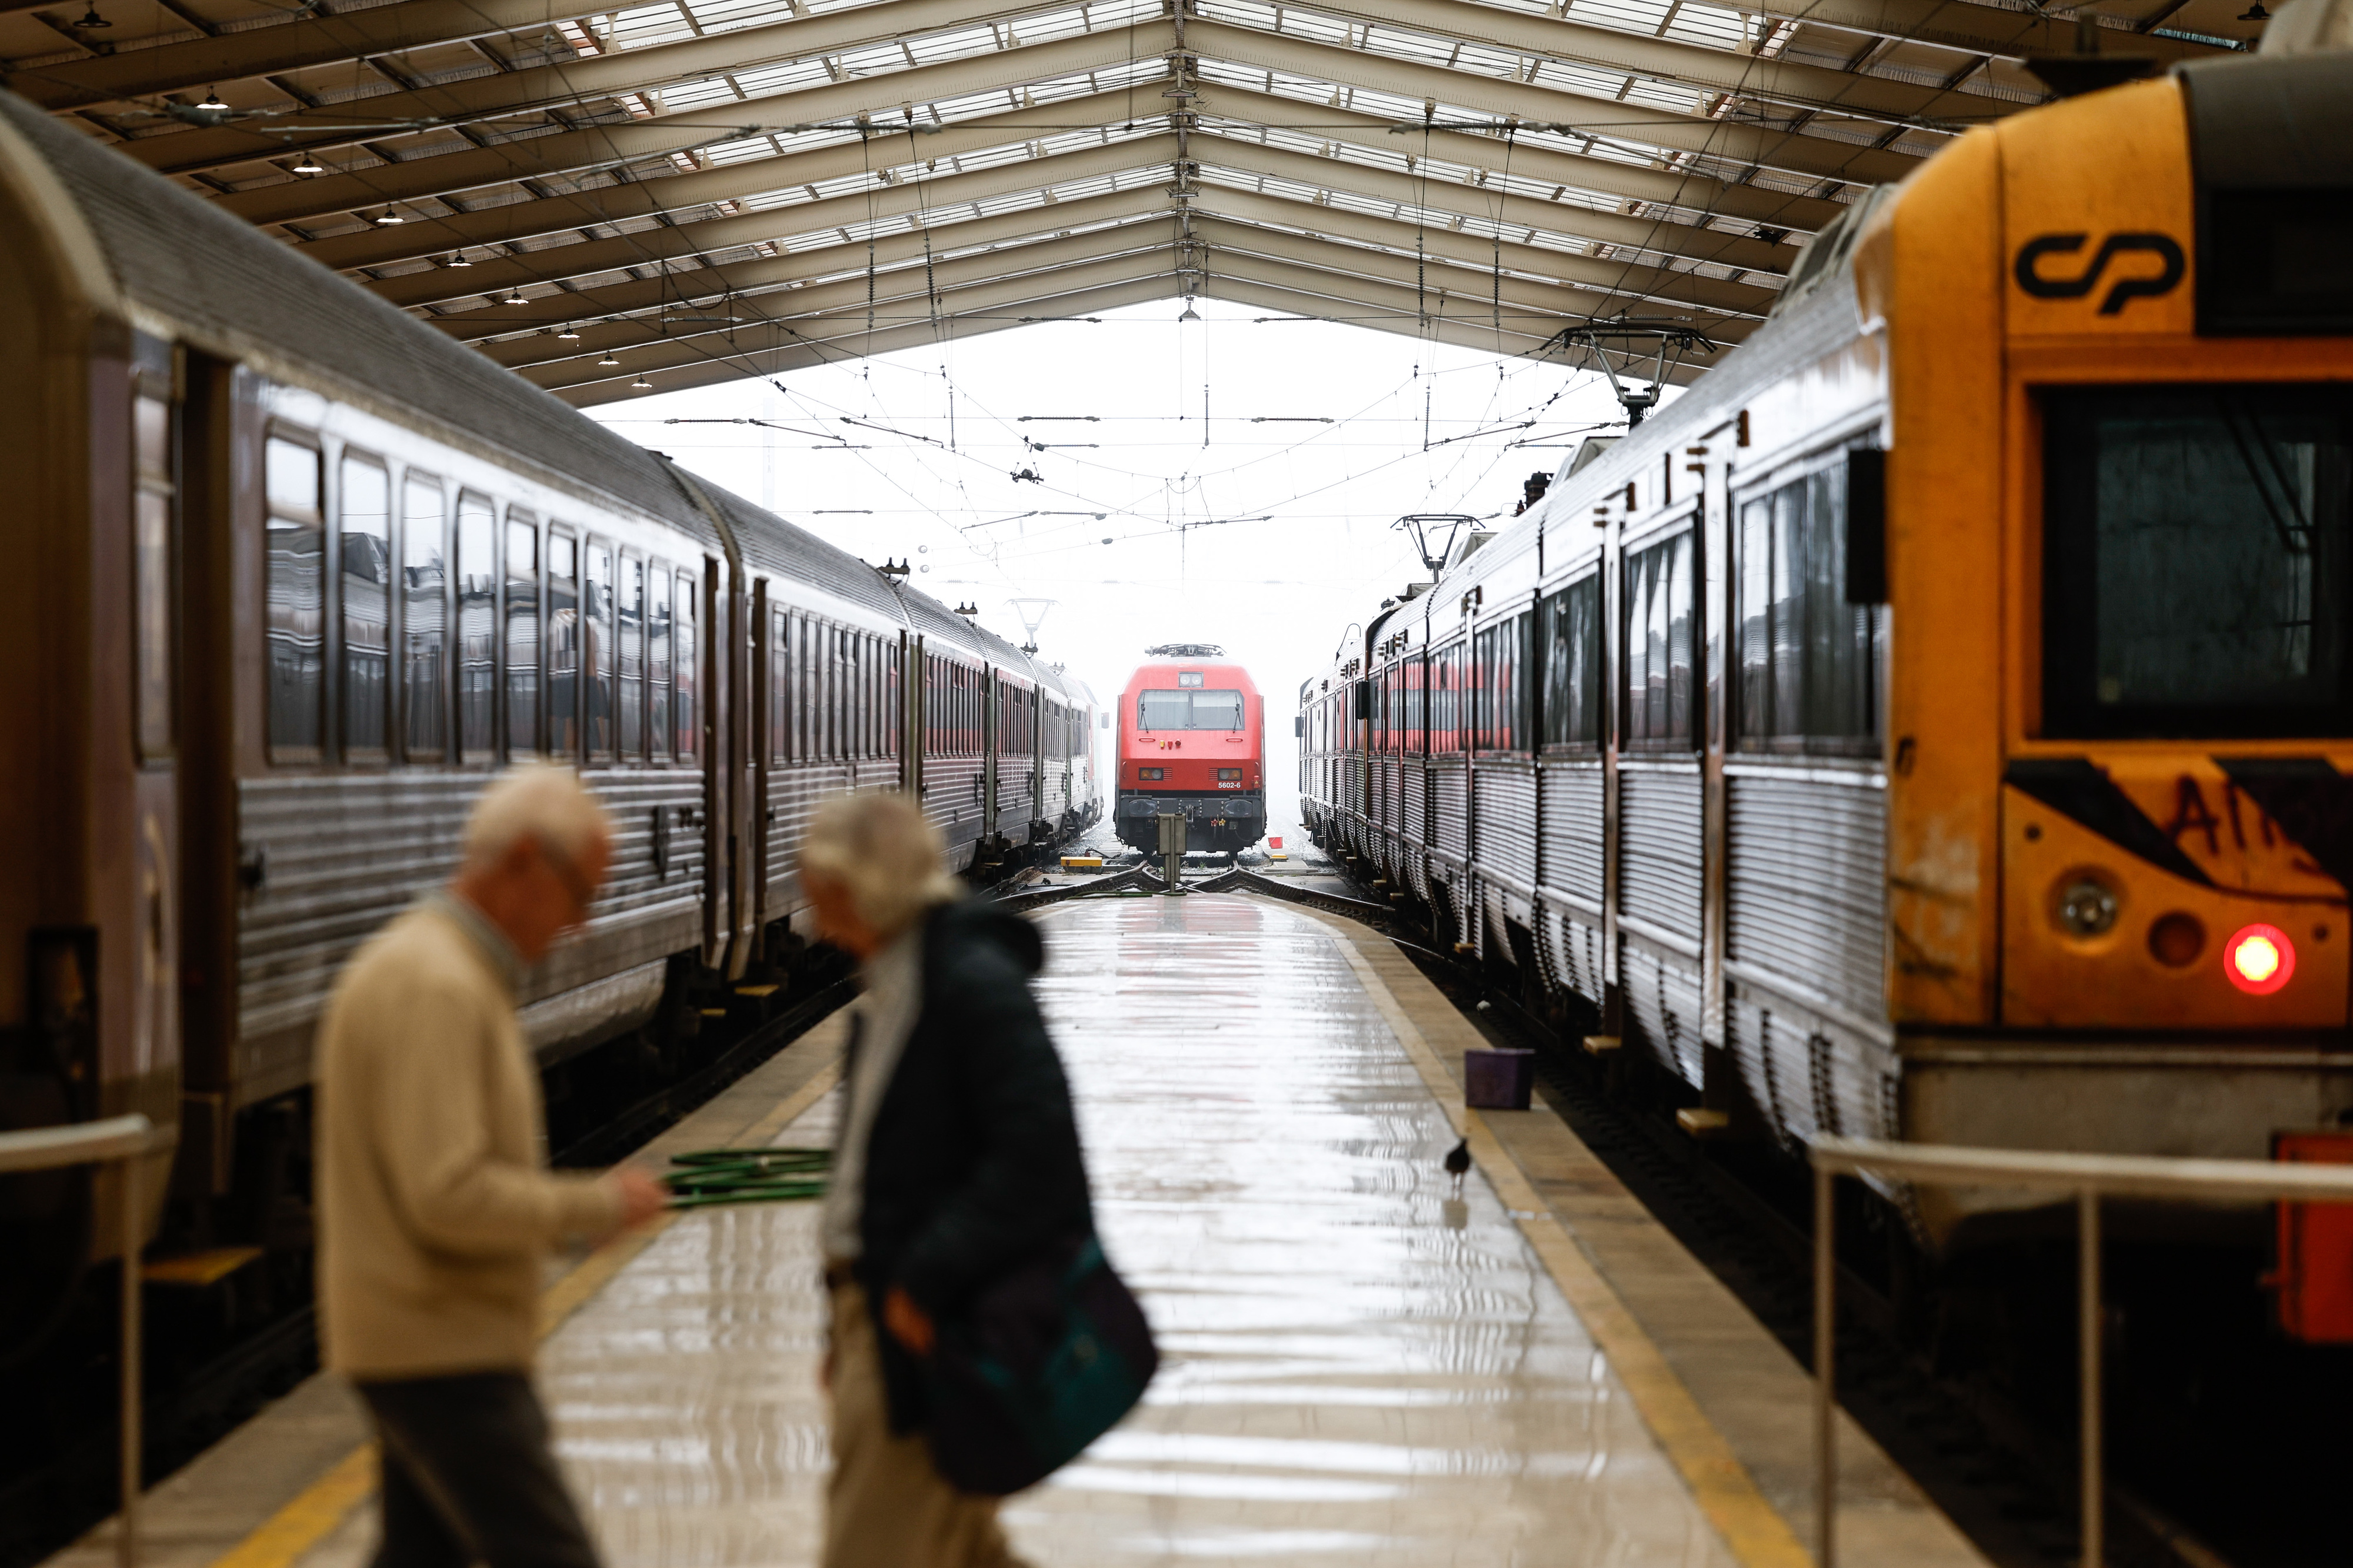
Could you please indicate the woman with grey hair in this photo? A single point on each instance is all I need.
(957, 1161)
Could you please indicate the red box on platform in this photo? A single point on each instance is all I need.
(1498, 1080)
(2316, 1247)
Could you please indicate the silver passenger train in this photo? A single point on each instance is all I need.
(292, 574)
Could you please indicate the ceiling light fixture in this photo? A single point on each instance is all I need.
(457, 259)
(2256, 12)
(386, 218)
(608, 358)
(515, 296)
(212, 99)
(570, 334)
(91, 21)
(641, 383)
(309, 165)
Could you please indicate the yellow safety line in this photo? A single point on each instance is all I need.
(1751, 1526)
(323, 1505)
(309, 1518)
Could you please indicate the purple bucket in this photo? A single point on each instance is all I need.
(1498, 1080)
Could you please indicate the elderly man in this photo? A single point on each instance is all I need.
(957, 1160)
(437, 1210)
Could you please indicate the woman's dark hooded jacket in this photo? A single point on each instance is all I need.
(972, 1165)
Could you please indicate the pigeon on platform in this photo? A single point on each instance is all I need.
(1458, 1164)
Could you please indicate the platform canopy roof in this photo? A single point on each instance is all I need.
(689, 190)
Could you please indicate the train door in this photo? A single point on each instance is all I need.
(214, 877)
(992, 692)
(1038, 802)
(759, 696)
(912, 686)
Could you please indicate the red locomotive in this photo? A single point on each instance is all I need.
(1192, 740)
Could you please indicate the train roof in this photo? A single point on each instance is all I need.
(223, 286)
(1225, 670)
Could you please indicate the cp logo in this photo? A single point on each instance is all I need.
(2162, 246)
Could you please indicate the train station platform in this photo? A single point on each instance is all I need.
(1359, 1365)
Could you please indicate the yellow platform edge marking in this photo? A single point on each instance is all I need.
(1751, 1526)
(321, 1506)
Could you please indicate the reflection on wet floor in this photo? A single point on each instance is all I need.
(1356, 1366)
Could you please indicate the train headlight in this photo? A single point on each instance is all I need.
(1229, 772)
(2259, 959)
(1152, 773)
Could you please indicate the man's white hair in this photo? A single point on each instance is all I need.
(538, 801)
(880, 851)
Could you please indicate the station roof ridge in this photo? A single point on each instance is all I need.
(705, 189)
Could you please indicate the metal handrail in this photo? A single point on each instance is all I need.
(117, 1140)
(2090, 1177)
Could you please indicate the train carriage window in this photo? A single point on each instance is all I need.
(897, 705)
(294, 622)
(364, 542)
(1502, 717)
(1805, 655)
(424, 620)
(596, 651)
(1571, 644)
(156, 479)
(659, 732)
(562, 644)
(1445, 703)
(522, 632)
(632, 661)
(1659, 689)
(2197, 561)
(687, 680)
(478, 630)
(779, 678)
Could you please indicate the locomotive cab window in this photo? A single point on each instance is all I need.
(2195, 560)
(1196, 710)
(294, 618)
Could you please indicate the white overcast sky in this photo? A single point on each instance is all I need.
(1299, 542)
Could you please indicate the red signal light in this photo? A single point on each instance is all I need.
(2259, 959)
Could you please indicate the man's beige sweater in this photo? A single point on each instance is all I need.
(437, 1211)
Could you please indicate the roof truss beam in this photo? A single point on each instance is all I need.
(1534, 104)
(808, 351)
(579, 81)
(653, 246)
(1080, 263)
(572, 152)
(513, 221)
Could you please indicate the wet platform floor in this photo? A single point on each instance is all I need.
(1358, 1366)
